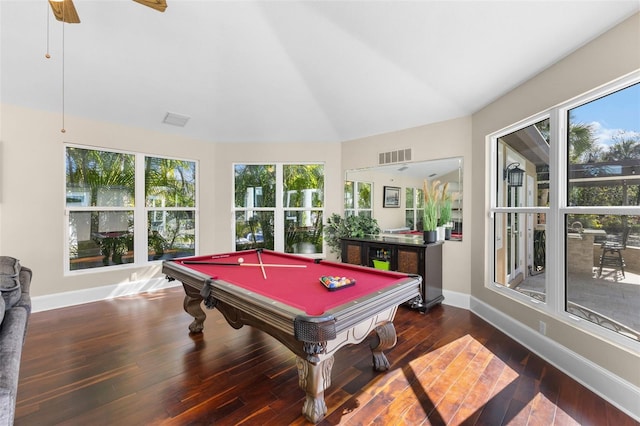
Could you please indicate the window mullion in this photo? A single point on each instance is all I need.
(278, 226)
(557, 199)
(141, 251)
(592, 210)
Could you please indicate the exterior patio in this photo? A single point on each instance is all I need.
(610, 299)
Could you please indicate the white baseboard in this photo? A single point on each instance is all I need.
(616, 390)
(78, 297)
(458, 300)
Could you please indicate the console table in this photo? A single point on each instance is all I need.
(406, 254)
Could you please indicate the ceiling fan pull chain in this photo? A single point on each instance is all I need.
(47, 55)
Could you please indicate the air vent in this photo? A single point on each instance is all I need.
(398, 156)
(176, 119)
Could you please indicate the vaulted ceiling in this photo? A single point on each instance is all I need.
(287, 71)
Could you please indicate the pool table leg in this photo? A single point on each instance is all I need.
(314, 379)
(191, 305)
(385, 338)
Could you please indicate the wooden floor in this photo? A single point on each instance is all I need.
(131, 361)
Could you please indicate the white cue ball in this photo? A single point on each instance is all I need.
(241, 260)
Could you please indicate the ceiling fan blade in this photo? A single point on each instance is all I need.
(66, 8)
(159, 5)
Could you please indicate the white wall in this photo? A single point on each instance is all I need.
(229, 153)
(390, 217)
(611, 56)
(32, 185)
(33, 188)
(33, 191)
(445, 139)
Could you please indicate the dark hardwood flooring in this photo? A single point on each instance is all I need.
(131, 361)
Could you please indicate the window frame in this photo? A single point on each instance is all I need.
(418, 206)
(555, 284)
(495, 210)
(357, 210)
(279, 210)
(139, 210)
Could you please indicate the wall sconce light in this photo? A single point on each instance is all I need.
(513, 174)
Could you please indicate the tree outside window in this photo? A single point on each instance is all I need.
(100, 202)
(596, 199)
(291, 223)
(414, 207)
(358, 199)
(100, 198)
(170, 198)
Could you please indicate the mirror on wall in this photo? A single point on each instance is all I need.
(366, 189)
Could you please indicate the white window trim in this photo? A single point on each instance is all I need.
(279, 209)
(555, 247)
(356, 208)
(140, 211)
(492, 153)
(415, 209)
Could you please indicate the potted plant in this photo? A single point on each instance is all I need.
(351, 226)
(445, 212)
(430, 212)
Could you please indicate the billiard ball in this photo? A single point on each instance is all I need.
(241, 260)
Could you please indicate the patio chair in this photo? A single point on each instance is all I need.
(611, 256)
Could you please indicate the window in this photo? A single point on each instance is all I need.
(170, 194)
(291, 222)
(522, 199)
(107, 228)
(358, 198)
(602, 217)
(414, 208)
(578, 199)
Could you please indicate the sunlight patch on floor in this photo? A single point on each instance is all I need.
(464, 370)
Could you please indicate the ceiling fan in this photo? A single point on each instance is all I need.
(65, 11)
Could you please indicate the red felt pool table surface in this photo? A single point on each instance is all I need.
(296, 282)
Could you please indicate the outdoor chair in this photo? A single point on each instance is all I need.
(611, 256)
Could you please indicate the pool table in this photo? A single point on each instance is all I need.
(282, 295)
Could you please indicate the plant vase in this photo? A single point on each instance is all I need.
(430, 237)
(430, 212)
(447, 233)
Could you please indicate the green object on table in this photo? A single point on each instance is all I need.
(381, 264)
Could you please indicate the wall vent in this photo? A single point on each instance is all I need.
(391, 157)
(174, 119)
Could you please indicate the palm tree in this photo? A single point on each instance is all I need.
(582, 142)
(99, 170)
(173, 182)
(623, 149)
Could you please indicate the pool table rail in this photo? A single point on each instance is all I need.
(314, 339)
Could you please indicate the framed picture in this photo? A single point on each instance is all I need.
(391, 196)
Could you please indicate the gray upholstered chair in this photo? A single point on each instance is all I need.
(15, 308)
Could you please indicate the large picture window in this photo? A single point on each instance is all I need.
(602, 217)
(106, 227)
(570, 186)
(290, 222)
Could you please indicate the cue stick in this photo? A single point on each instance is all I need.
(264, 274)
(197, 262)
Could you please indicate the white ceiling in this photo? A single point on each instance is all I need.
(287, 71)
